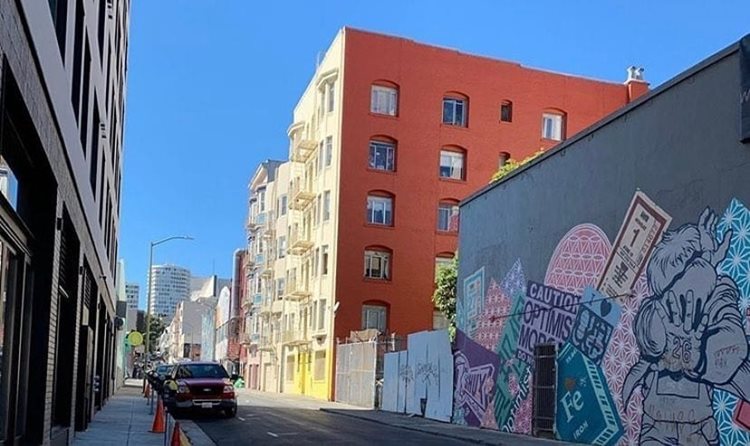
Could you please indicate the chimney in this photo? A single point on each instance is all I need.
(635, 82)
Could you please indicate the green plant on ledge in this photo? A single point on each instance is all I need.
(512, 165)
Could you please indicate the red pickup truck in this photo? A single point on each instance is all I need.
(200, 386)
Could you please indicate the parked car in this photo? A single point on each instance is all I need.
(159, 375)
(200, 386)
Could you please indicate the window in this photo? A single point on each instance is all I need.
(452, 165)
(326, 205)
(330, 103)
(329, 150)
(282, 205)
(553, 126)
(321, 314)
(318, 208)
(503, 159)
(382, 155)
(377, 264)
(439, 321)
(282, 247)
(324, 259)
(384, 100)
(448, 216)
(506, 111)
(379, 210)
(262, 200)
(315, 260)
(319, 371)
(374, 316)
(290, 368)
(454, 111)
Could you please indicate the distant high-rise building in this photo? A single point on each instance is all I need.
(133, 292)
(170, 284)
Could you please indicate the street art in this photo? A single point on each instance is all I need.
(430, 382)
(470, 308)
(653, 334)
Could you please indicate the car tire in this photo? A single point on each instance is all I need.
(230, 413)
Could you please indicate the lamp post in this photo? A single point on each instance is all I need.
(148, 303)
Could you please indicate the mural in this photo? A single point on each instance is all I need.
(652, 333)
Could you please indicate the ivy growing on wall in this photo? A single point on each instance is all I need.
(512, 165)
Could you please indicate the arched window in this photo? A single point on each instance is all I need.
(506, 111)
(379, 208)
(448, 215)
(456, 109)
(453, 163)
(553, 124)
(502, 159)
(377, 263)
(375, 315)
(384, 98)
(382, 154)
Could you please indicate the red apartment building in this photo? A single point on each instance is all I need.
(452, 119)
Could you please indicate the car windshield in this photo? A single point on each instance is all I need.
(164, 369)
(202, 371)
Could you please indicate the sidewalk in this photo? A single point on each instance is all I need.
(125, 421)
(455, 431)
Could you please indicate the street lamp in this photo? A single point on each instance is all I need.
(148, 303)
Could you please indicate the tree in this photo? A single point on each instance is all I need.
(156, 327)
(444, 297)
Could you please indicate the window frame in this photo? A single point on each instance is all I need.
(557, 131)
(380, 310)
(326, 205)
(328, 150)
(392, 94)
(453, 153)
(389, 146)
(455, 100)
(506, 105)
(453, 211)
(384, 256)
(387, 210)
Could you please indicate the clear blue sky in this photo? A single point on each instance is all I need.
(212, 85)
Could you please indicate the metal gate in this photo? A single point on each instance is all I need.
(545, 381)
(355, 373)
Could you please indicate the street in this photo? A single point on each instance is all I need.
(267, 418)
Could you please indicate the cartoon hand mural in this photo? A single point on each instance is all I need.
(685, 326)
(690, 335)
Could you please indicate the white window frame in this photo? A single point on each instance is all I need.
(326, 205)
(283, 205)
(455, 162)
(455, 104)
(329, 151)
(383, 261)
(552, 126)
(282, 246)
(377, 204)
(324, 260)
(330, 102)
(384, 100)
(451, 210)
(389, 155)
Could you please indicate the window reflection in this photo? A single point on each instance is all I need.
(8, 183)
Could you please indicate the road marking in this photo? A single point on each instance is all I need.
(272, 434)
(240, 418)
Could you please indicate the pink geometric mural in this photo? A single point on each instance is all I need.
(579, 259)
(489, 327)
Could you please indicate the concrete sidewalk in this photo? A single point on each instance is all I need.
(448, 430)
(125, 421)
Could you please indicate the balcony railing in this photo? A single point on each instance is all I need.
(302, 149)
(295, 336)
(296, 289)
(300, 241)
(300, 194)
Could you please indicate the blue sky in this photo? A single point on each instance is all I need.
(212, 85)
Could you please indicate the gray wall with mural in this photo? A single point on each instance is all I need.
(664, 360)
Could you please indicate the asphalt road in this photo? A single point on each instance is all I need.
(283, 420)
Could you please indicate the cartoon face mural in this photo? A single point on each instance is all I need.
(665, 365)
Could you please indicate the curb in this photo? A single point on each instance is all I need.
(498, 442)
(194, 434)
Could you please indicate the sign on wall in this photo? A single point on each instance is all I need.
(641, 230)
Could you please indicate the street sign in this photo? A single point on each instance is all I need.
(135, 338)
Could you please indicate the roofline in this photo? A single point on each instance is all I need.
(261, 166)
(700, 66)
(485, 57)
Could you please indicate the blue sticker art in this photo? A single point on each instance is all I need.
(586, 412)
(596, 321)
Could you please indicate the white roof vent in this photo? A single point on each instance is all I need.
(635, 73)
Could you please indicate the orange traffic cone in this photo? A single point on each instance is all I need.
(158, 426)
(176, 435)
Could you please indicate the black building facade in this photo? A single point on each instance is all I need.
(63, 66)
